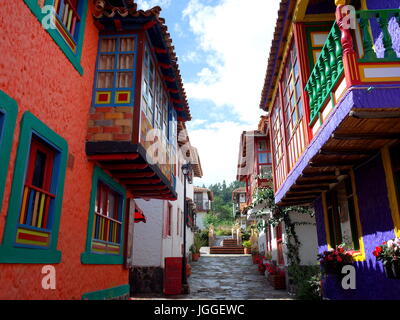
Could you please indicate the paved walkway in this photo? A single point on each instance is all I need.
(230, 277)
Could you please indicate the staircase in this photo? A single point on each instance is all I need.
(229, 246)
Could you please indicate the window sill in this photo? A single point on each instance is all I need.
(93, 258)
(26, 256)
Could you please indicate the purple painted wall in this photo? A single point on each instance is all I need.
(377, 226)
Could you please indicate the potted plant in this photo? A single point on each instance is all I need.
(332, 261)
(195, 255)
(389, 253)
(276, 277)
(254, 255)
(247, 247)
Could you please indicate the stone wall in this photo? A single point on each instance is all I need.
(146, 280)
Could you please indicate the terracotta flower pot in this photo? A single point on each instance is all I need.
(247, 250)
(195, 256)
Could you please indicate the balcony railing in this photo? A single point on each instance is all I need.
(354, 57)
(326, 73)
(378, 22)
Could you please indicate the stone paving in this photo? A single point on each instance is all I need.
(230, 277)
(225, 277)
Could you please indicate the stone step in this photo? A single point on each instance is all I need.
(227, 250)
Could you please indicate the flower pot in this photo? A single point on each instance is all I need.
(277, 281)
(195, 256)
(396, 269)
(255, 258)
(247, 251)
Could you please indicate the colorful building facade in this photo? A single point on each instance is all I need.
(332, 92)
(82, 85)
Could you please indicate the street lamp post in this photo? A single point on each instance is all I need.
(186, 168)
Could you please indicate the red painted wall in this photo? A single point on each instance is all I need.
(37, 74)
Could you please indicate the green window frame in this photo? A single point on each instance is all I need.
(90, 256)
(60, 37)
(8, 117)
(10, 251)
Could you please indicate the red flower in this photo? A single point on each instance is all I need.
(339, 259)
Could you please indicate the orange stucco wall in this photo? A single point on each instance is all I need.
(36, 73)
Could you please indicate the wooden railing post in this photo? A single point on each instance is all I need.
(349, 55)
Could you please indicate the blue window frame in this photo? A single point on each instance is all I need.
(115, 77)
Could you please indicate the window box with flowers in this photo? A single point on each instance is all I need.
(333, 260)
(389, 253)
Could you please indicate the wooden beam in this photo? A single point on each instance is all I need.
(318, 174)
(318, 189)
(317, 182)
(332, 164)
(355, 152)
(368, 114)
(366, 136)
(141, 181)
(299, 199)
(134, 175)
(109, 157)
(136, 166)
(304, 194)
(147, 188)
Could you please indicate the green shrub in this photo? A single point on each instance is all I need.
(247, 244)
(246, 236)
(307, 281)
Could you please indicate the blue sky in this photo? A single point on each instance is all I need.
(222, 48)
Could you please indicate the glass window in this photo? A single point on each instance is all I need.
(67, 13)
(277, 136)
(341, 216)
(37, 202)
(107, 225)
(115, 71)
(292, 92)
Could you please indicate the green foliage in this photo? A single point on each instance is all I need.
(246, 236)
(199, 241)
(223, 232)
(246, 244)
(221, 213)
(307, 280)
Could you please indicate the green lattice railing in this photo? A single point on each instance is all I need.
(382, 18)
(326, 73)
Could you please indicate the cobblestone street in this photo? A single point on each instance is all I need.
(230, 277)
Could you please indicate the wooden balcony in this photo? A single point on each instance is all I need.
(353, 95)
(129, 164)
(363, 57)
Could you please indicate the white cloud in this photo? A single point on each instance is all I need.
(236, 36)
(148, 4)
(218, 147)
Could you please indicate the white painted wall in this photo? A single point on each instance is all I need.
(308, 238)
(147, 236)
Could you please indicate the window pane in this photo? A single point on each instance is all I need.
(127, 44)
(125, 61)
(108, 45)
(124, 79)
(262, 158)
(107, 62)
(111, 205)
(262, 145)
(39, 171)
(344, 214)
(105, 80)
